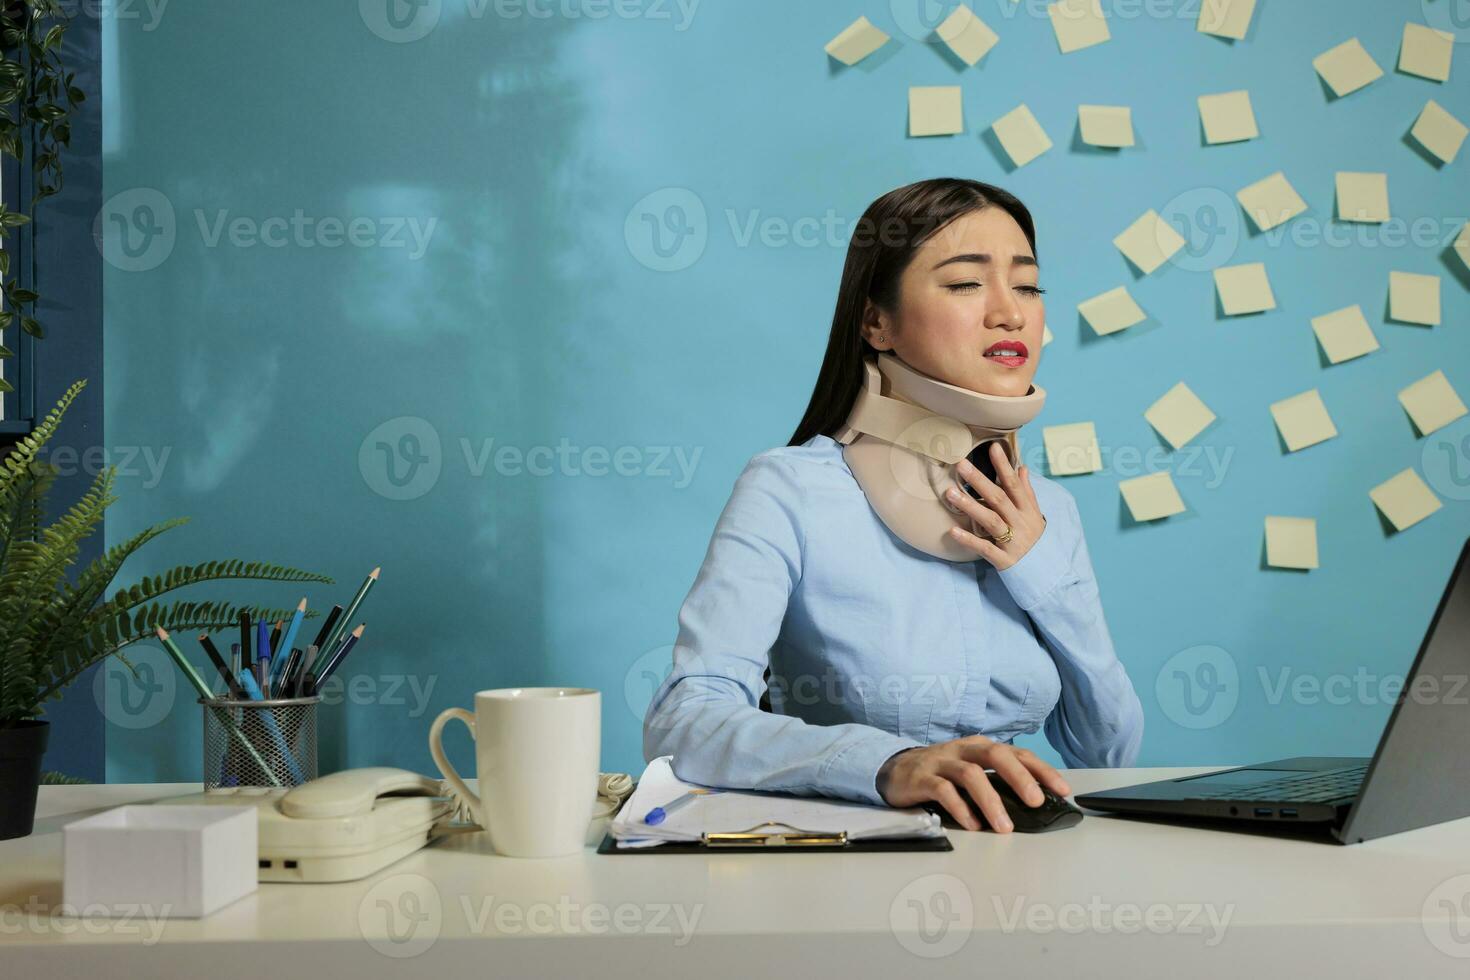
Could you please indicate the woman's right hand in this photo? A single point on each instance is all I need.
(936, 772)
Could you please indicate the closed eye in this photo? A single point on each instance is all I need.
(970, 287)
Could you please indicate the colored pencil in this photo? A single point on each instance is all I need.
(341, 654)
(236, 691)
(288, 641)
(327, 625)
(178, 658)
(336, 636)
(267, 719)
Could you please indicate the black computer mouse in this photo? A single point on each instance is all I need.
(1054, 812)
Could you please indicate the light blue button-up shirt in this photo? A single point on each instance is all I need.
(875, 646)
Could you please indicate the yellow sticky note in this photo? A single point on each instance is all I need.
(1106, 125)
(1439, 132)
(1225, 18)
(1303, 420)
(1228, 117)
(967, 35)
(935, 110)
(1078, 24)
(1021, 135)
(1179, 416)
(1344, 334)
(1362, 196)
(858, 40)
(1244, 289)
(1462, 244)
(1405, 499)
(1291, 542)
(1426, 52)
(1347, 67)
(1413, 298)
(1071, 449)
(1111, 311)
(1270, 201)
(1151, 497)
(1149, 241)
(1432, 403)
(1046, 335)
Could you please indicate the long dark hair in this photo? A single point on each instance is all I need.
(883, 244)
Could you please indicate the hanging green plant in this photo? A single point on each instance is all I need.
(37, 95)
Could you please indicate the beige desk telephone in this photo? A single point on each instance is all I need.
(340, 827)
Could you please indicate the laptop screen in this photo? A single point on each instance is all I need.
(1421, 771)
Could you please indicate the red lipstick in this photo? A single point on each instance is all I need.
(1011, 353)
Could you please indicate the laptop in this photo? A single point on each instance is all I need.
(1419, 775)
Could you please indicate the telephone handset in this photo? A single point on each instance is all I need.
(340, 827)
(354, 791)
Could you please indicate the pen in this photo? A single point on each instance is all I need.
(307, 662)
(219, 665)
(245, 639)
(276, 639)
(341, 654)
(283, 683)
(235, 661)
(657, 814)
(263, 649)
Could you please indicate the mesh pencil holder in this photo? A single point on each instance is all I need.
(259, 743)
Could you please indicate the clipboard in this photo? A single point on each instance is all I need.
(759, 841)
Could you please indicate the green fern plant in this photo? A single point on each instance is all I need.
(52, 629)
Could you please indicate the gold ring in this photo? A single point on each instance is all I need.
(1005, 538)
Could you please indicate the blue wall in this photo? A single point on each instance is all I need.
(281, 376)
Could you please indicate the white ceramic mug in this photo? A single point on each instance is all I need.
(537, 751)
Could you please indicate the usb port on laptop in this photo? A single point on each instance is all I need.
(1285, 812)
(1263, 811)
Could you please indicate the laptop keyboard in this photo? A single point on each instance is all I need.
(1305, 787)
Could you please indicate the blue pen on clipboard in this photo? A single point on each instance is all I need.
(657, 814)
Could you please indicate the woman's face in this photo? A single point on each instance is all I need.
(969, 308)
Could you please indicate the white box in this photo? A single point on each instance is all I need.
(177, 861)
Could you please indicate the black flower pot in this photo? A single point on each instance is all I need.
(21, 748)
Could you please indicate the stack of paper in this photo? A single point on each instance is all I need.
(737, 811)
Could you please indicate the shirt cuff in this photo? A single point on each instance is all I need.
(853, 773)
(1040, 570)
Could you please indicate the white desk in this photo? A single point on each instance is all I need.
(1111, 897)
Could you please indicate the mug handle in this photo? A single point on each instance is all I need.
(451, 776)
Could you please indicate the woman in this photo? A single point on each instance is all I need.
(900, 673)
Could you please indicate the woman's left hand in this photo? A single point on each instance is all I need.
(1010, 505)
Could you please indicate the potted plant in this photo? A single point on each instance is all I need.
(53, 628)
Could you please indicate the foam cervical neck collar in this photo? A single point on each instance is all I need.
(903, 437)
